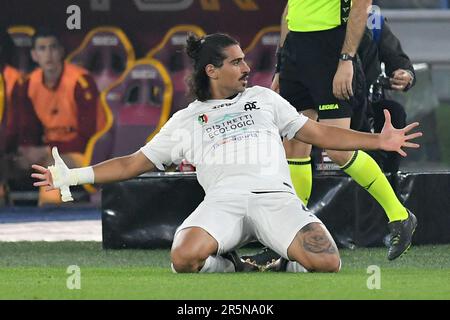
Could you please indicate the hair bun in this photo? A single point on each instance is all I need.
(194, 45)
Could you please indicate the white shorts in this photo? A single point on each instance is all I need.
(273, 219)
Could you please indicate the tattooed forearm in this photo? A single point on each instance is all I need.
(315, 240)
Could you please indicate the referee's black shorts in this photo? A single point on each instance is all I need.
(309, 63)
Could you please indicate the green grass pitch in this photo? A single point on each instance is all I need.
(37, 270)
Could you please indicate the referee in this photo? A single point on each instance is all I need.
(318, 73)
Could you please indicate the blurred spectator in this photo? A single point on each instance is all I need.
(56, 106)
(9, 77)
(378, 46)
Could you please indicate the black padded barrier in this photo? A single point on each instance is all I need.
(428, 196)
(145, 212)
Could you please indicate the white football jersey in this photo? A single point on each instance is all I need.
(234, 143)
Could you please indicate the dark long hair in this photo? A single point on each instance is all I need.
(203, 51)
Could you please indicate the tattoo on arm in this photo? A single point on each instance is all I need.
(315, 240)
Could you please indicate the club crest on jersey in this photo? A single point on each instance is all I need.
(249, 106)
(203, 119)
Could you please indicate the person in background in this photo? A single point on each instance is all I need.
(10, 77)
(380, 46)
(56, 106)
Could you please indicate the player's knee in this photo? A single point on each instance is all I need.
(317, 250)
(182, 265)
(185, 260)
(340, 157)
(326, 263)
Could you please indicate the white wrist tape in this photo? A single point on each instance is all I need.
(66, 195)
(81, 176)
(63, 177)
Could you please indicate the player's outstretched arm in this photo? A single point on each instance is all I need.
(335, 138)
(117, 169)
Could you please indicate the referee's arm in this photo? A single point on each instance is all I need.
(356, 25)
(342, 82)
(284, 27)
(275, 86)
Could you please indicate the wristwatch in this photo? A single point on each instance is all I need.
(346, 57)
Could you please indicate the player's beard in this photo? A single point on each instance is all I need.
(244, 81)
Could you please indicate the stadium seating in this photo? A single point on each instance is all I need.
(21, 36)
(260, 56)
(106, 52)
(139, 102)
(170, 53)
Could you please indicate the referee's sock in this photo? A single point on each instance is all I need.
(301, 175)
(366, 172)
